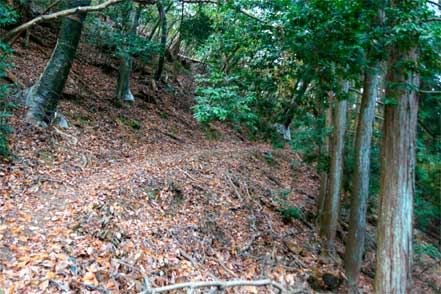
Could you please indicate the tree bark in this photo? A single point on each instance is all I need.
(360, 179)
(123, 92)
(397, 186)
(325, 149)
(161, 61)
(42, 98)
(330, 213)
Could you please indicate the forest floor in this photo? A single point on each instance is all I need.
(143, 191)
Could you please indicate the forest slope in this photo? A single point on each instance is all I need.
(144, 191)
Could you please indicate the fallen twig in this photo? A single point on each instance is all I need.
(96, 288)
(12, 78)
(187, 174)
(218, 284)
(226, 268)
(250, 243)
(194, 262)
(62, 286)
(227, 176)
(73, 140)
(127, 264)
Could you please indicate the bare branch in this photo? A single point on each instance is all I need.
(355, 91)
(434, 3)
(433, 19)
(429, 92)
(218, 284)
(50, 6)
(59, 14)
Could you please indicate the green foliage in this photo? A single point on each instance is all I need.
(428, 249)
(269, 157)
(197, 29)
(7, 16)
(290, 212)
(220, 99)
(256, 69)
(134, 124)
(286, 210)
(428, 169)
(115, 39)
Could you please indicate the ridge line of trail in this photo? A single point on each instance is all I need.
(124, 169)
(122, 172)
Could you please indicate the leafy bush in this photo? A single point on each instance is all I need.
(286, 210)
(134, 124)
(429, 249)
(197, 29)
(220, 99)
(290, 212)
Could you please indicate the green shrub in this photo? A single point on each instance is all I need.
(134, 124)
(290, 212)
(429, 250)
(286, 210)
(219, 99)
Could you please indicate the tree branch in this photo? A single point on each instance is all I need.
(50, 6)
(434, 3)
(429, 92)
(433, 19)
(219, 284)
(59, 14)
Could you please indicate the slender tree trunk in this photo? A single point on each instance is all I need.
(394, 229)
(330, 213)
(360, 178)
(288, 116)
(174, 47)
(356, 118)
(153, 32)
(123, 92)
(325, 150)
(161, 61)
(42, 98)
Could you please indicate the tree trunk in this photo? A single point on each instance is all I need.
(153, 32)
(330, 212)
(356, 118)
(163, 40)
(360, 179)
(42, 98)
(394, 229)
(123, 92)
(325, 149)
(299, 92)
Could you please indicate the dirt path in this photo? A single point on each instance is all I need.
(123, 172)
(71, 225)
